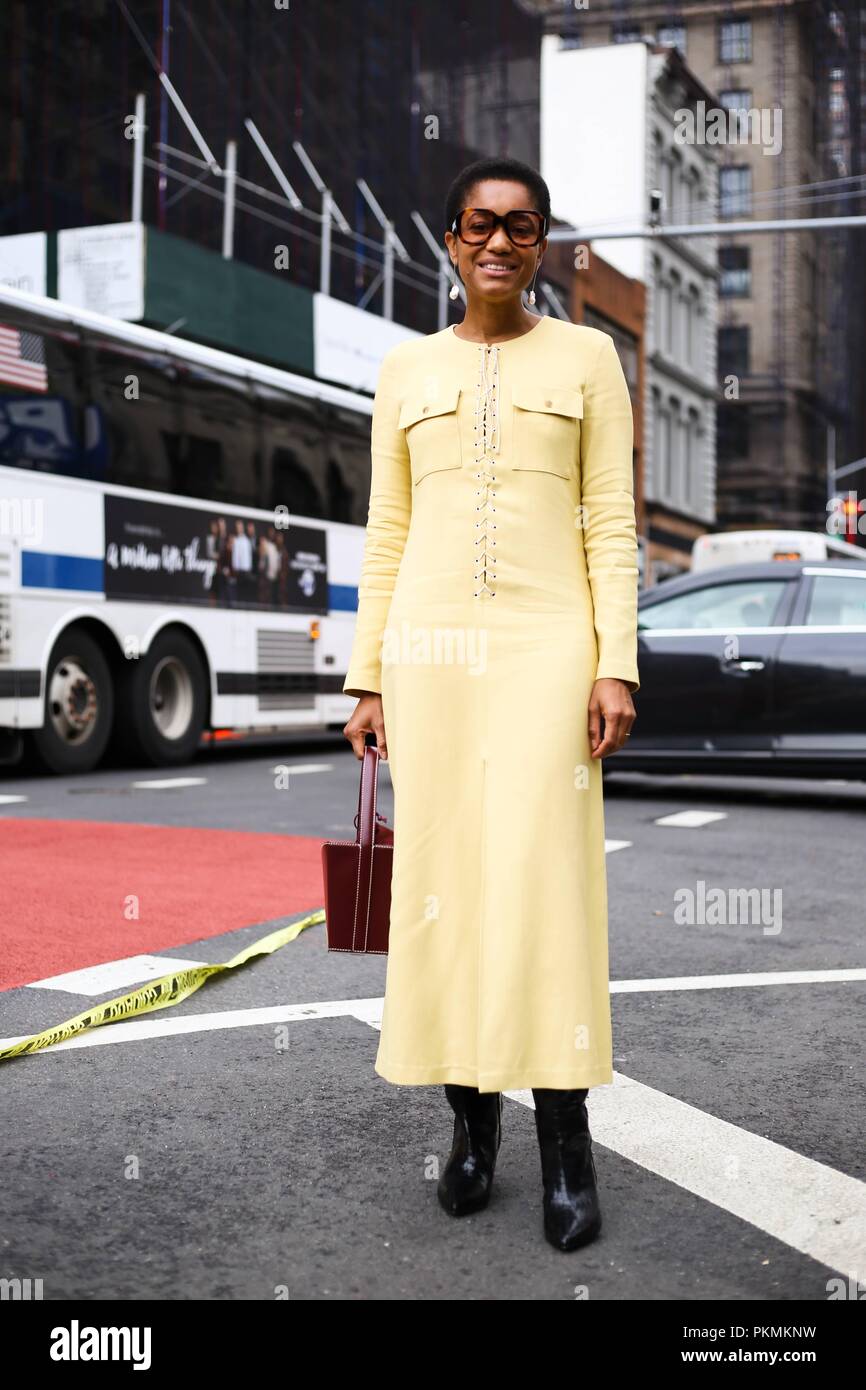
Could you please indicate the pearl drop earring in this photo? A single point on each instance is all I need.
(531, 296)
(455, 288)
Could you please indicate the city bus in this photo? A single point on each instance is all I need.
(181, 533)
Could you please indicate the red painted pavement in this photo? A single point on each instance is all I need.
(64, 886)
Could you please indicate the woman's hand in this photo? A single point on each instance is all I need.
(367, 718)
(611, 701)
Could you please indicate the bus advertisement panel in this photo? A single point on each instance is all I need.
(174, 554)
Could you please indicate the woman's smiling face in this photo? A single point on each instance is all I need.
(498, 269)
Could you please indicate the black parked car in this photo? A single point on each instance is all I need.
(755, 668)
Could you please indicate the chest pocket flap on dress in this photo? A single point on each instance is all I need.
(547, 428)
(432, 430)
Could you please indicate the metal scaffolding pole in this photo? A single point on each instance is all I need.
(138, 157)
(783, 224)
(442, 257)
(392, 243)
(330, 212)
(230, 172)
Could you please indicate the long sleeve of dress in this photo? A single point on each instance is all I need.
(608, 515)
(387, 526)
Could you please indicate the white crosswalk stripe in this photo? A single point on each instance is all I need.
(691, 820)
(162, 784)
(298, 769)
(114, 974)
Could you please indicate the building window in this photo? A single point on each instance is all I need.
(735, 190)
(663, 450)
(680, 455)
(693, 457)
(735, 264)
(681, 195)
(626, 344)
(735, 41)
(676, 452)
(675, 337)
(666, 317)
(732, 430)
(684, 328)
(667, 185)
(735, 99)
(698, 208)
(734, 351)
(693, 346)
(811, 280)
(663, 303)
(693, 195)
(625, 33)
(688, 193)
(739, 101)
(673, 36)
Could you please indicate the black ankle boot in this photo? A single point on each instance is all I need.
(468, 1174)
(571, 1211)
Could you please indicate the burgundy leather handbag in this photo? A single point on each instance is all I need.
(357, 874)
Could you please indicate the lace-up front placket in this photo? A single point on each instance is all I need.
(486, 447)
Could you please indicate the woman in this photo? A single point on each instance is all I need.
(494, 656)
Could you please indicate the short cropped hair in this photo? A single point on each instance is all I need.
(497, 168)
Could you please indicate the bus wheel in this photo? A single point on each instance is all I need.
(167, 700)
(79, 705)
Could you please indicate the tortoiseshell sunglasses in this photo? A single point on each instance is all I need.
(523, 226)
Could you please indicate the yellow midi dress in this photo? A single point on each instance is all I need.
(499, 581)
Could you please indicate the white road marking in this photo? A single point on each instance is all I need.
(691, 819)
(368, 1010)
(808, 1206)
(611, 845)
(146, 1029)
(8, 798)
(295, 769)
(804, 1204)
(161, 784)
(766, 977)
(115, 974)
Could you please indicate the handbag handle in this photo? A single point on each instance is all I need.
(366, 818)
(364, 839)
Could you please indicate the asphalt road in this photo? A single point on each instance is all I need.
(252, 1155)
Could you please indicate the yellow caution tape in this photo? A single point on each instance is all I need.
(158, 994)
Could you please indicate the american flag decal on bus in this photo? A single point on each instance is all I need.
(22, 359)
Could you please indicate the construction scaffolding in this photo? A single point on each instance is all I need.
(396, 96)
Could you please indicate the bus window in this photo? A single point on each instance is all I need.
(348, 477)
(135, 396)
(220, 455)
(294, 453)
(47, 423)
